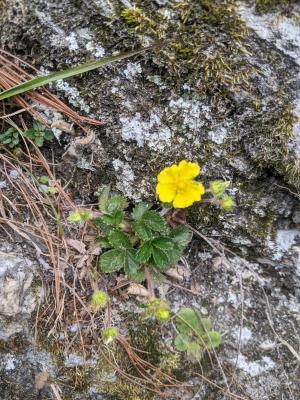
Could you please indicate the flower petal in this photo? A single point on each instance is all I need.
(166, 192)
(169, 175)
(192, 193)
(188, 170)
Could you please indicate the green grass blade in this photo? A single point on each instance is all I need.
(55, 76)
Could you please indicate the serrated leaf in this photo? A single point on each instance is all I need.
(144, 252)
(163, 243)
(131, 264)
(155, 222)
(104, 243)
(175, 254)
(181, 342)
(160, 257)
(119, 240)
(114, 219)
(103, 198)
(138, 276)
(181, 236)
(139, 210)
(112, 260)
(214, 339)
(141, 231)
(116, 203)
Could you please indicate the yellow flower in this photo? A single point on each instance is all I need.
(176, 184)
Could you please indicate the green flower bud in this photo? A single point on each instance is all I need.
(218, 187)
(228, 203)
(163, 314)
(52, 190)
(80, 216)
(100, 299)
(109, 334)
(44, 180)
(159, 308)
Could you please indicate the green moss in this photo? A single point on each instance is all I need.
(202, 41)
(263, 6)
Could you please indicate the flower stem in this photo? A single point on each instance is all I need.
(149, 282)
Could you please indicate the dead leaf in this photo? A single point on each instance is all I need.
(63, 126)
(138, 290)
(195, 286)
(89, 139)
(77, 245)
(179, 272)
(41, 380)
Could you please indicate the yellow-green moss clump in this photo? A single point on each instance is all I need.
(263, 6)
(202, 41)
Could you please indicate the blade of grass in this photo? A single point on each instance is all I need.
(79, 69)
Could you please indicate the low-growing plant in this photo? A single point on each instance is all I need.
(38, 134)
(10, 138)
(145, 242)
(195, 334)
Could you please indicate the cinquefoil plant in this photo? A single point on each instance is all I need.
(195, 334)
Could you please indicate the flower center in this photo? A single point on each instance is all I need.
(181, 186)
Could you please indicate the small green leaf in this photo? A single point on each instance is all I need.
(116, 203)
(163, 243)
(114, 219)
(144, 252)
(104, 243)
(104, 192)
(141, 231)
(194, 350)
(181, 342)
(112, 260)
(188, 320)
(119, 240)
(155, 222)
(160, 257)
(214, 339)
(181, 236)
(139, 210)
(49, 135)
(39, 141)
(131, 264)
(30, 133)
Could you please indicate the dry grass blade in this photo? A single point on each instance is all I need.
(14, 71)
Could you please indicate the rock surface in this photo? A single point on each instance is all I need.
(224, 91)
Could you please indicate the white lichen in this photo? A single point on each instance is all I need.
(151, 131)
(132, 69)
(254, 368)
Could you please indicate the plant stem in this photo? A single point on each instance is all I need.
(149, 282)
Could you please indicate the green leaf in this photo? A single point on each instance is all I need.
(55, 76)
(138, 276)
(119, 240)
(30, 133)
(144, 252)
(139, 210)
(104, 243)
(112, 260)
(175, 254)
(114, 219)
(181, 342)
(116, 203)
(163, 243)
(194, 350)
(155, 222)
(206, 324)
(181, 236)
(141, 231)
(188, 321)
(160, 257)
(39, 141)
(131, 265)
(214, 339)
(49, 135)
(104, 192)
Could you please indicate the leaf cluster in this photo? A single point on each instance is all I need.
(38, 134)
(195, 333)
(136, 239)
(10, 138)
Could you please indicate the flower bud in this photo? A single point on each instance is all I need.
(228, 203)
(109, 334)
(218, 187)
(80, 216)
(100, 299)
